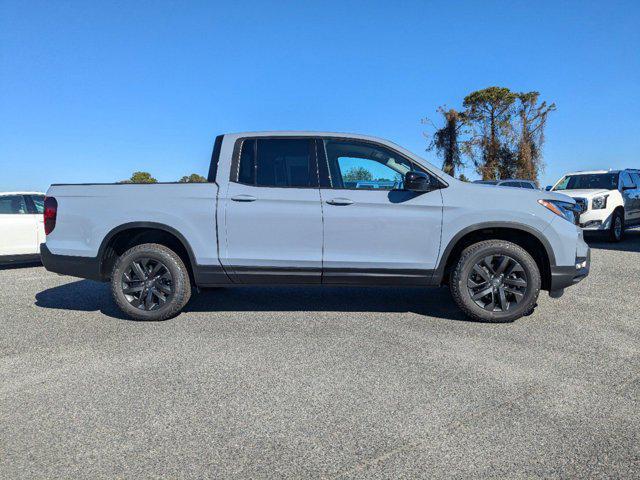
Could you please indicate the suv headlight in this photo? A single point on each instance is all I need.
(566, 210)
(598, 203)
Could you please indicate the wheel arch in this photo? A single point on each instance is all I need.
(127, 235)
(525, 236)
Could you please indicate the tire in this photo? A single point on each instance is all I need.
(513, 287)
(130, 286)
(616, 234)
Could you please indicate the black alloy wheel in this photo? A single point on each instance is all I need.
(147, 284)
(497, 283)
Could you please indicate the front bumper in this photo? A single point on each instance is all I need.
(563, 277)
(594, 220)
(83, 267)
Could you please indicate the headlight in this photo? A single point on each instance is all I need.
(566, 210)
(599, 203)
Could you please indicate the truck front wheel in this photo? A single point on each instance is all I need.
(495, 281)
(616, 232)
(150, 282)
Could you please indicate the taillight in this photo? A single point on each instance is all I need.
(50, 213)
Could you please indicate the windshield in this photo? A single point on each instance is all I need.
(605, 181)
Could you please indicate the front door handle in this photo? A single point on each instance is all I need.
(244, 198)
(340, 201)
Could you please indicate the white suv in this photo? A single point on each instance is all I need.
(21, 226)
(609, 200)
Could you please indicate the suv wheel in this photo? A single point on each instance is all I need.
(616, 231)
(150, 282)
(495, 281)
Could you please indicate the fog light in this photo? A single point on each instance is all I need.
(581, 265)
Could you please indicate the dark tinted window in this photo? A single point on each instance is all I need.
(510, 184)
(247, 169)
(636, 179)
(528, 185)
(12, 205)
(626, 180)
(277, 163)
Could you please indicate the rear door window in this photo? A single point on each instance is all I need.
(277, 162)
(13, 205)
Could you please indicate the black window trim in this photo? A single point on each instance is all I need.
(327, 181)
(235, 160)
(215, 158)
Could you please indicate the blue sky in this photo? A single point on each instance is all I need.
(91, 91)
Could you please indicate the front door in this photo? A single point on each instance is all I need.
(374, 231)
(19, 228)
(271, 213)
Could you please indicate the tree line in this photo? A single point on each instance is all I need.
(146, 177)
(501, 132)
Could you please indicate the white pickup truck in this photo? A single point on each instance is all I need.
(316, 209)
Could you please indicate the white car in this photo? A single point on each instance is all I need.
(21, 226)
(609, 200)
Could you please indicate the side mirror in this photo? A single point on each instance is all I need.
(548, 188)
(417, 182)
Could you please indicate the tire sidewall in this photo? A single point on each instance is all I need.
(612, 233)
(175, 267)
(531, 271)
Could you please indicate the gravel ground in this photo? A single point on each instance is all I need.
(330, 383)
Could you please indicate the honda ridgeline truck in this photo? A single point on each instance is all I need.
(308, 208)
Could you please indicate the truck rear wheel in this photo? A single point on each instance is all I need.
(150, 282)
(495, 281)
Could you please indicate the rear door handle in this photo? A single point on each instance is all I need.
(244, 198)
(340, 201)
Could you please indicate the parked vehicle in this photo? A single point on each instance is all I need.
(278, 209)
(511, 182)
(21, 226)
(609, 200)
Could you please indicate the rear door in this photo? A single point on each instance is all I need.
(271, 212)
(17, 226)
(374, 231)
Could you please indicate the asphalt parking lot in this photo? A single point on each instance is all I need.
(329, 383)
